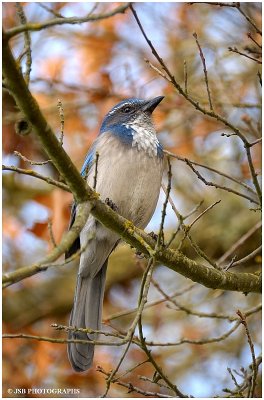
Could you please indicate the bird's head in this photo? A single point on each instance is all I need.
(130, 112)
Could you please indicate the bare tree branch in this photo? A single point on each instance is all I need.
(33, 27)
(205, 71)
(252, 350)
(213, 170)
(210, 113)
(35, 174)
(240, 241)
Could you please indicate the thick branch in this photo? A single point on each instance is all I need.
(28, 105)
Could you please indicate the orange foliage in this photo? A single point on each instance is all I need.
(52, 68)
(11, 226)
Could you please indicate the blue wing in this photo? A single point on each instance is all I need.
(88, 162)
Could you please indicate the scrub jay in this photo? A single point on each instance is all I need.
(129, 171)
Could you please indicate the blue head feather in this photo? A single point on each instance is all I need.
(118, 122)
(117, 118)
(118, 115)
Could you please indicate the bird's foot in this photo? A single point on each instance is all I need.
(111, 204)
(153, 235)
(139, 254)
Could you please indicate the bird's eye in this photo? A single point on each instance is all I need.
(126, 109)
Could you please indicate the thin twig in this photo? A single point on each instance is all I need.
(253, 40)
(123, 339)
(183, 217)
(205, 211)
(154, 363)
(161, 240)
(186, 230)
(185, 72)
(129, 370)
(31, 161)
(66, 328)
(255, 142)
(260, 78)
(216, 185)
(235, 50)
(252, 350)
(211, 169)
(58, 340)
(199, 251)
(248, 121)
(234, 379)
(246, 375)
(45, 7)
(193, 211)
(239, 242)
(61, 115)
(52, 238)
(144, 292)
(234, 5)
(141, 303)
(35, 174)
(245, 259)
(201, 314)
(61, 21)
(125, 313)
(216, 3)
(155, 380)
(238, 6)
(131, 388)
(205, 71)
(253, 171)
(202, 341)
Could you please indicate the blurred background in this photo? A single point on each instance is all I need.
(90, 67)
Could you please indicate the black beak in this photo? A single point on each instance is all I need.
(150, 105)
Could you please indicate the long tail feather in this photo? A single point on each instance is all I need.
(86, 313)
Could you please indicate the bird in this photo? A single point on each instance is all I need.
(126, 162)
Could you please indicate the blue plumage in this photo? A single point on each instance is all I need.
(88, 162)
(125, 134)
(129, 172)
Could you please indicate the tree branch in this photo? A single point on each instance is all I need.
(35, 174)
(210, 113)
(22, 273)
(175, 260)
(61, 21)
(216, 171)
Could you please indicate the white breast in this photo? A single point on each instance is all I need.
(128, 176)
(144, 138)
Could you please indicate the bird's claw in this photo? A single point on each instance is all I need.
(111, 204)
(153, 235)
(139, 254)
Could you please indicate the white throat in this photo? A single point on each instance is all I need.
(144, 138)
